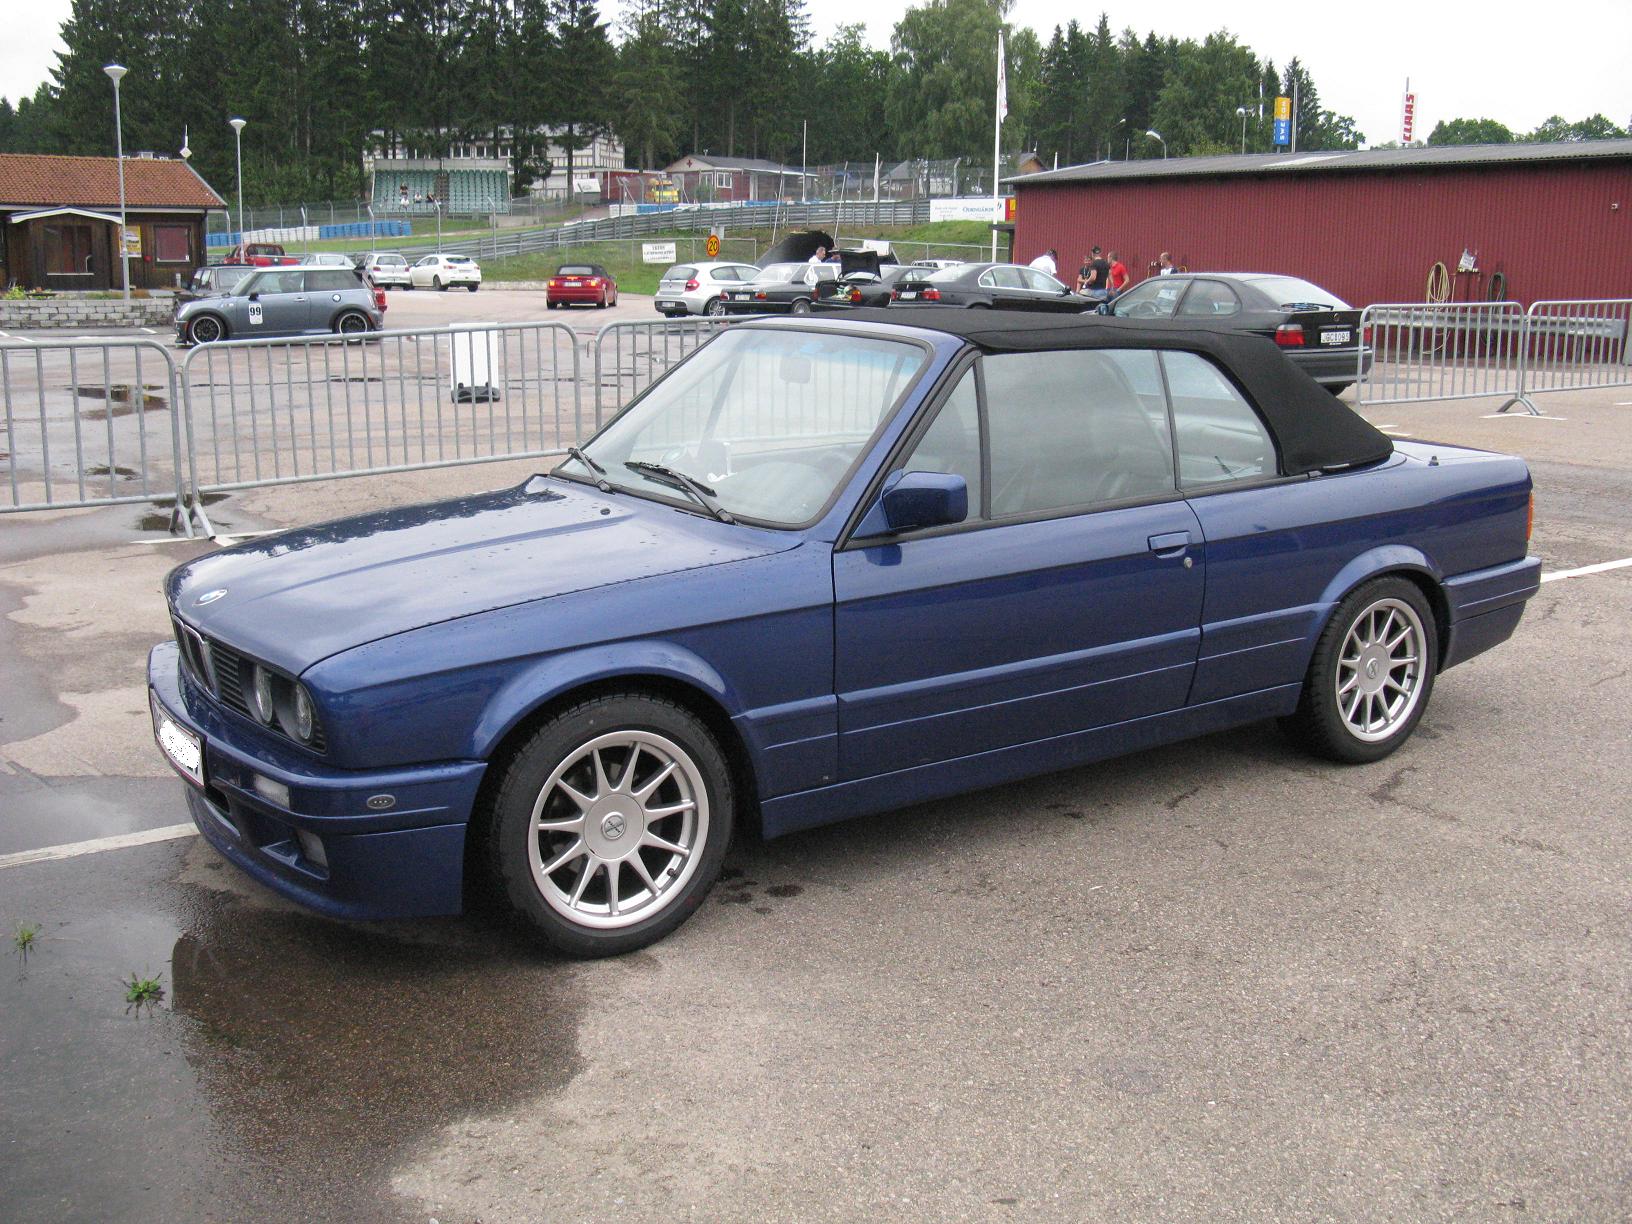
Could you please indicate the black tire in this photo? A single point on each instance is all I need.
(473, 288)
(715, 309)
(436, 283)
(525, 782)
(550, 305)
(1320, 725)
(199, 330)
(1338, 388)
(351, 323)
(800, 307)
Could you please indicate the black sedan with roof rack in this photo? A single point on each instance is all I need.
(1317, 330)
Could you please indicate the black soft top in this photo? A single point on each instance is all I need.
(1313, 430)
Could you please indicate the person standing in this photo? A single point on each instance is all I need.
(1118, 275)
(1085, 273)
(1164, 266)
(1098, 286)
(1046, 262)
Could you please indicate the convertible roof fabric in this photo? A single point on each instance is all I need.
(1314, 430)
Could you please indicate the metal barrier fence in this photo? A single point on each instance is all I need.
(1432, 351)
(1468, 350)
(629, 357)
(91, 423)
(1574, 346)
(263, 412)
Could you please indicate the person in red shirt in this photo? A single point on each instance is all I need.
(1119, 274)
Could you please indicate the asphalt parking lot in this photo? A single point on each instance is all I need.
(1214, 981)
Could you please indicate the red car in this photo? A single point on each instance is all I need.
(260, 255)
(582, 284)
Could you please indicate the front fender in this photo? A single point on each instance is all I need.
(549, 677)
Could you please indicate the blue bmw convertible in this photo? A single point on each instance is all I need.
(824, 567)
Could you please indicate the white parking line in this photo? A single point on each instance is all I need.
(1600, 568)
(1521, 416)
(123, 841)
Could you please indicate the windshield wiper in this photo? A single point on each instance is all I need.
(601, 482)
(667, 475)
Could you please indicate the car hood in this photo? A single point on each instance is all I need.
(296, 598)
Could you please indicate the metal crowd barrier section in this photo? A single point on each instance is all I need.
(1573, 346)
(1439, 350)
(629, 357)
(264, 412)
(91, 423)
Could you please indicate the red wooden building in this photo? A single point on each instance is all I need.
(1555, 220)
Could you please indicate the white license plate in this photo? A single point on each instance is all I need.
(909, 293)
(184, 749)
(740, 297)
(1337, 337)
(573, 284)
(662, 305)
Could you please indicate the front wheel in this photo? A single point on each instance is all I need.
(610, 824)
(436, 283)
(206, 329)
(1372, 673)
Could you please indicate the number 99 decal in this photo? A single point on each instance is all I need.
(254, 313)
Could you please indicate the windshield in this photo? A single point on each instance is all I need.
(1289, 292)
(769, 421)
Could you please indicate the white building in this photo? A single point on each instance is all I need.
(472, 170)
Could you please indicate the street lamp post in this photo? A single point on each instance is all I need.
(1241, 113)
(237, 126)
(1158, 136)
(115, 72)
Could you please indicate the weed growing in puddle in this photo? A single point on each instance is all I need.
(143, 992)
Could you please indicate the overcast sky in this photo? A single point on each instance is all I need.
(1500, 60)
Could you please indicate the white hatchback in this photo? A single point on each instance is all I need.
(445, 272)
(699, 288)
(386, 268)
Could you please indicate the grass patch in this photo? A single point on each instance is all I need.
(25, 937)
(143, 991)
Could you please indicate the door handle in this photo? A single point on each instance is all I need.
(1170, 543)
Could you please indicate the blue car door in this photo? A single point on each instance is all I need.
(1069, 599)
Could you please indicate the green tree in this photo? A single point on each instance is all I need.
(1594, 127)
(1207, 81)
(650, 100)
(1469, 132)
(940, 99)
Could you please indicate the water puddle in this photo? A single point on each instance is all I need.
(122, 398)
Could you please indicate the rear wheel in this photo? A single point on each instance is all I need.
(610, 824)
(715, 308)
(473, 288)
(1372, 673)
(206, 329)
(800, 307)
(351, 323)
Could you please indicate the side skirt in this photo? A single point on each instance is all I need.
(829, 804)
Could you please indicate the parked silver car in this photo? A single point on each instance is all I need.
(700, 288)
(326, 259)
(290, 301)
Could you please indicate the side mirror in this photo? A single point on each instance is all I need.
(912, 501)
(256, 296)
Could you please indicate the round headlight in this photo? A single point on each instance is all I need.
(305, 720)
(262, 696)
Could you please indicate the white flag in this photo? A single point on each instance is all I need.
(1002, 82)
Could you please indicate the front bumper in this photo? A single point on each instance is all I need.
(330, 844)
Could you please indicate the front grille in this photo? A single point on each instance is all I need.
(224, 673)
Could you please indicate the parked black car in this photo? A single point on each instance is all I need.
(212, 281)
(781, 288)
(865, 288)
(1317, 330)
(991, 286)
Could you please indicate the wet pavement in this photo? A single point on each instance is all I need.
(1217, 980)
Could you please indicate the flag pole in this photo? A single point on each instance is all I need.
(1001, 109)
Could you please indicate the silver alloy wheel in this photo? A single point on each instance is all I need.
(715, 308)
(618, 829)
(1379, 669)
(352, 324)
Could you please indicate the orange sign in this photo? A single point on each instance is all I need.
(1008, 208)
(712, 246)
